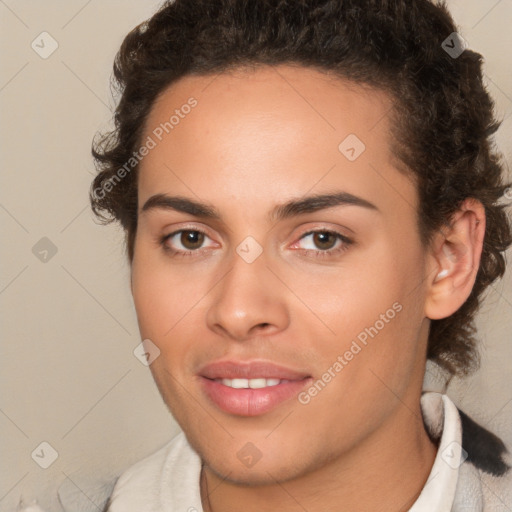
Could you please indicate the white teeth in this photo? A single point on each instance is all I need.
(258, 383)
(239, 383)
(250, 383)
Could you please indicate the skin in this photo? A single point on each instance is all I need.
(258, 139)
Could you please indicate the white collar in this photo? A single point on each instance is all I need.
(441, 419)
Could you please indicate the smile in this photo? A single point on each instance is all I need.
(250, 388)
(250, 383)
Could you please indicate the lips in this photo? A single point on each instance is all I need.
(250, 388)
(249, 370)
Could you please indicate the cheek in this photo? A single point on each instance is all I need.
(363, 288)
(171, 311)
(374, 310)
(372, 359)
(163, 295)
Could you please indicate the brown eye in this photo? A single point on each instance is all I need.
(187, 242)
(192, 239)
(323, 243)
(325, 240)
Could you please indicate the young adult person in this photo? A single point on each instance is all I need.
(313, 209)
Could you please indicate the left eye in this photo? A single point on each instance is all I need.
(324, 241)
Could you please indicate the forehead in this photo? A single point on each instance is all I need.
(293, 127)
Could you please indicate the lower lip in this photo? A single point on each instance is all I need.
(251, 402)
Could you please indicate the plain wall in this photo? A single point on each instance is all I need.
(68, 373)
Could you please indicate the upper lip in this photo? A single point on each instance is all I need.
(249, 370)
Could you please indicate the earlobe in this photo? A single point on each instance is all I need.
(454, 260)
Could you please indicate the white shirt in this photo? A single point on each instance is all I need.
(168, 480)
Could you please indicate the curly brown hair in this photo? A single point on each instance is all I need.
(443, 116)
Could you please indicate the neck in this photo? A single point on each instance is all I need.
(385, 472)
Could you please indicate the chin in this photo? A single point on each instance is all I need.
(269, 465)
(259, 475)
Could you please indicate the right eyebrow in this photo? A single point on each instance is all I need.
(180, 204)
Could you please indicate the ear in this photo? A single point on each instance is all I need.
(454, 260)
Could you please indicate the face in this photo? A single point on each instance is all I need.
(278, 269)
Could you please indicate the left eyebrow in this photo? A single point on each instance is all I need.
(289, 209)
(316, 203)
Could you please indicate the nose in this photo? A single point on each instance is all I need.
(248, 301)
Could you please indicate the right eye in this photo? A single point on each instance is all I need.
(184, 242)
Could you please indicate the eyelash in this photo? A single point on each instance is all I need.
(328, 253)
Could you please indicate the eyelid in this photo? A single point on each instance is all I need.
(168, 232)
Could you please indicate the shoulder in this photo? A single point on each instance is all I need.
(487, 459)
(485, 450)
(472, 467)
(139, 488)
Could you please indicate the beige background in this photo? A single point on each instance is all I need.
(69, 376)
